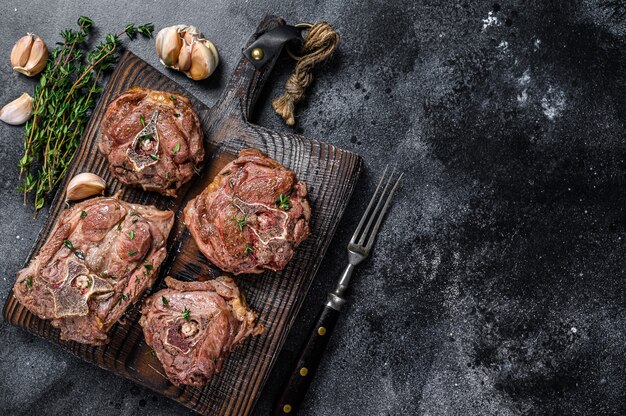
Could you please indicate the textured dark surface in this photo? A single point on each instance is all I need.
(496, 284)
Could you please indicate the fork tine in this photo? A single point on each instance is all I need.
(381, 198)
(369, 207)
(381, 215)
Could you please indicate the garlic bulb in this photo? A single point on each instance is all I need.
(85, 185)
(17, 111)
(29, 55)
(183, 48)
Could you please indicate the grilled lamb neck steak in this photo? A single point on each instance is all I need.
(252, 216)
(192, 326)
(101, 256)
(152, 139)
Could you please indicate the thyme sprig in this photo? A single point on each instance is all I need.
(67, 91)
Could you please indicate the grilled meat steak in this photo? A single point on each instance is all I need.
(152, 139)
(100, 257)
(252, 216)
(192, 326)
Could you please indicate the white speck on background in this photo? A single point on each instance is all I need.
(503, 46)
(523, 82)
(553, 103)
(537, 44)
(491, 20)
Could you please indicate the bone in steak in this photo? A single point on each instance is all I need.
(100, 257)
(152, 139)
(192, 326)
(252, 216)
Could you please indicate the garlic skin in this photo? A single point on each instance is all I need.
(17, 111)
(85, 185)
(183, 48)
(29, 55)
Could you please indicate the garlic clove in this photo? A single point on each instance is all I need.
(29, 55)
(21, 50)
(213, 49)
(38, 58)
(17, 111)
(190, 34)
(85, 185)
(184, 59)
(168, 44)
(202, 62)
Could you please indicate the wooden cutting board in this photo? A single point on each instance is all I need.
(330, 174)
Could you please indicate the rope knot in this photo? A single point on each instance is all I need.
(319, 45)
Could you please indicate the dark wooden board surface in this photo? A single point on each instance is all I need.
(330, 174)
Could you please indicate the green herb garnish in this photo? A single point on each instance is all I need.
(248, 250)
(176, 115)
(231, 184)
(83, 214)
(29, 282)
(241, 222)
(197, 169)
(131, 234)
(153, 156)
(70, 247)
(133, 214)
(186, 313)
(119, 227)
(165, 301)
(132, 253)
(148, 266)
(283, 202)
(141, 120)
(173, 97)
(176, 148)
(68, 244)
(66, 92)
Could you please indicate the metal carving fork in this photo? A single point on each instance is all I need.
(359, 248)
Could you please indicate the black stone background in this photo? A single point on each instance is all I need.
(496, 285)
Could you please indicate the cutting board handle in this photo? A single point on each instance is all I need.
(246, 82)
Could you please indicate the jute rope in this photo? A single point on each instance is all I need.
(319, 45)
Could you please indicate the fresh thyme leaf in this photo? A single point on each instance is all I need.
(142, 120)
(133, 214)
(79, 254)
(165, 301)
(119, 227)
(241, 221)
(83, 214)
(231, 184)
(88, 283)
(29, 282)
(176, 115)
(283, 202)
(68, 244)
(132, 253)
(148, 266)
(147, 136)
(176, 148)
(173, 97)
(197, 169)
(134, 220)
(152, 352)
(131, 234)
(153, 156)
(248, 250)
(186, 313)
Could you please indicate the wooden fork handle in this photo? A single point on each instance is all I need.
(302, 374)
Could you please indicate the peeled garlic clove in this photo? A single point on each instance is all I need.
(202, 62)
(168, 44)
(184, 59)
(85, 185)
(29, 55)
(21, 51)
(17, 111)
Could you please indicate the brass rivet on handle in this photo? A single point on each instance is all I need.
(257, 54)
(287, 408)
(321, 330)
(304, 371)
